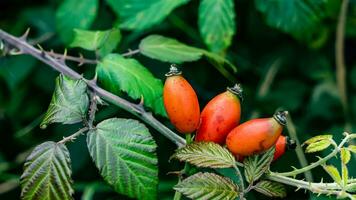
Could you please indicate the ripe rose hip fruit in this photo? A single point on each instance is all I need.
(283, 143)
(181, 102)
(220, 116)
(257, 135)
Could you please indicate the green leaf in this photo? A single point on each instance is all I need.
(138, 14)
(318, 138)
(205, 154)
(73, 14)
(47, 173)
(168, 50)
(293, 16)
(103, 41)
(333, 172)
(69, 102)
(257, 165)
(345, 158)
(351, 187)
(318, 146)
(345, 155)
(271, 189)
(217, 23)
(124, 152)
(207, 186)
(352, 148)
(117, 74)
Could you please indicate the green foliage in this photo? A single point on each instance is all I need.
(318, 138)
(345, 155)
(257, 165)
(217, 23)
(117, 73)
(271, 189)
(351, 187)
(124, 152)
(318, 143)
(345, 158)
(138, 14)
(69, 102)
(352, 148)
(333, 172)
(207, 186)
(205, 154)
(47, 173)
(318, 146)
(295, 17)
(103, 41)
(168, 50)
(73, 14)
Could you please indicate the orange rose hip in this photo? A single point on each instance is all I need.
(181, 102)
(283, 143)
(220, 116)
(256, 135)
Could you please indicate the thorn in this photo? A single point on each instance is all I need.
(81, 58)
(43, 53)
(176, 173)
(142, 99)
(24, 36)
(95, 78)
(101, 102)
(63, 59)
(15, 52)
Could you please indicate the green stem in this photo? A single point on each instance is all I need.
(178, 195)
(324, 188)
(340, 62)
(300, 153)
(73, 136)
(321, 161)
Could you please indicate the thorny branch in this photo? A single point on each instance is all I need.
(22, 45)
(73, 136)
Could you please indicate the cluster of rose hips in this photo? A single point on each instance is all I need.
(219, 120)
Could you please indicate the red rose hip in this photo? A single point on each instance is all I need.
(256, 135)
(181, 102)
(220, 116)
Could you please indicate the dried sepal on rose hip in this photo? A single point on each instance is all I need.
(181, 102)
(256, 135)
(220, 116)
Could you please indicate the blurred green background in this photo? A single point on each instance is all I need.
(284, 45)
